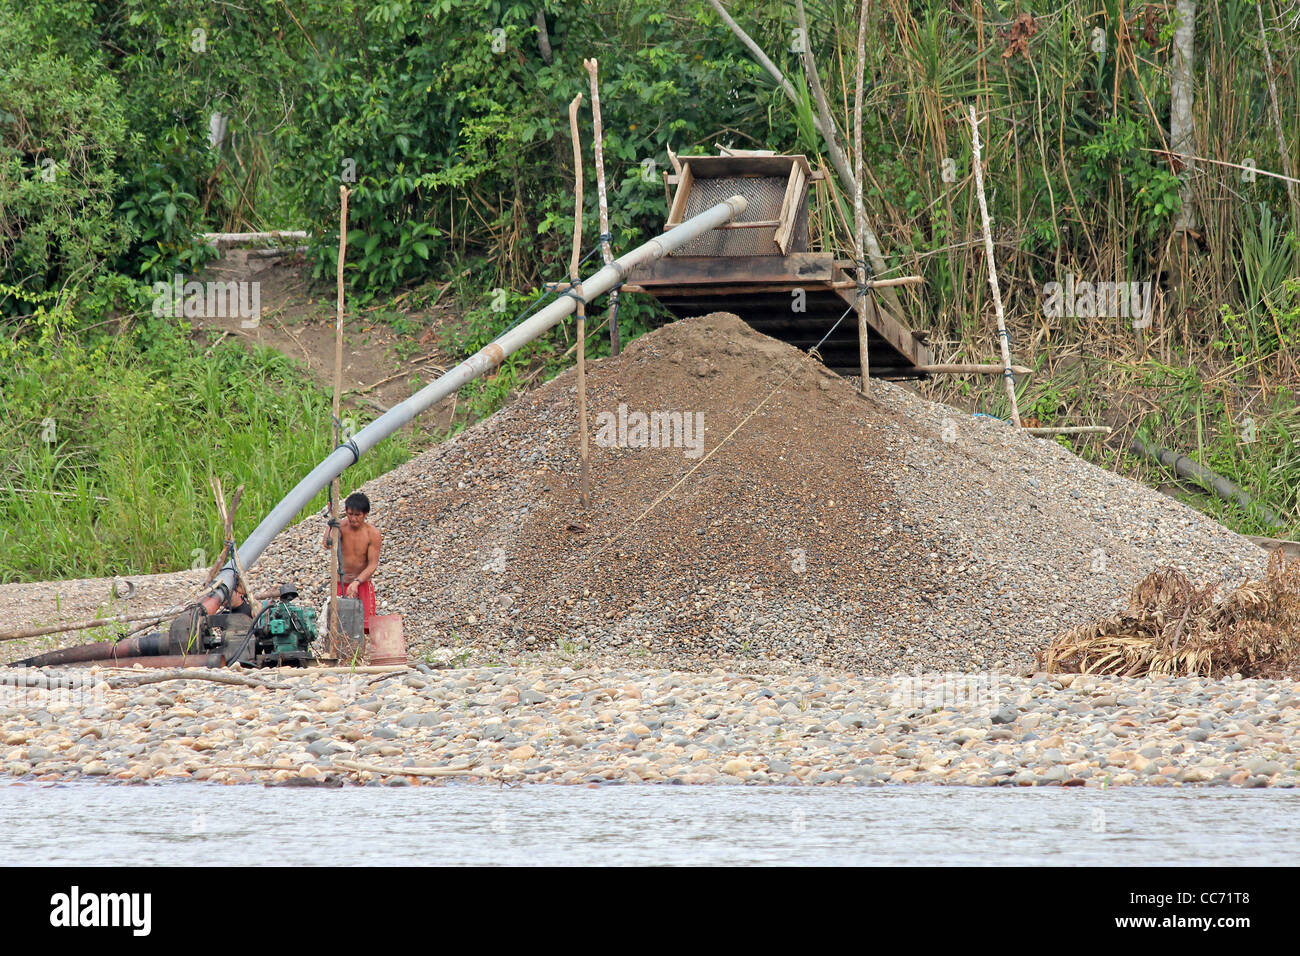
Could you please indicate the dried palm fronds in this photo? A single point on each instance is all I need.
(1173, 627)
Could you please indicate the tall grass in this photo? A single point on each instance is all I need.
(106, 451)
(1075, 104)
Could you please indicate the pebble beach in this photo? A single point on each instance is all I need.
(601, 725)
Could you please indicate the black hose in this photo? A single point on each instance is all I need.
(1185, 467)
(233, 659)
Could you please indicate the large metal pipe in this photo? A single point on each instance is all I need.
(482, 361)
(130, 647)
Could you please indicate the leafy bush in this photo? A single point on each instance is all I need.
(460, 152)
(61, 129)
(108, 472)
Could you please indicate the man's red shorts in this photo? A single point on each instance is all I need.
(366, 594)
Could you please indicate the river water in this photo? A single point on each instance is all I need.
(189, 823)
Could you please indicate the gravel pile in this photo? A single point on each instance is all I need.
(812, 526)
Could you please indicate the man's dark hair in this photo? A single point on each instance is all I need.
(357, 502)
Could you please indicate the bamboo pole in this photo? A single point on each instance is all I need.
(859, 210)
(1070, 430)
(960, 368)
(606, 252)
(1277, 122)
(1220, 162)
(336, 533)
(575, 284)
(993, 272)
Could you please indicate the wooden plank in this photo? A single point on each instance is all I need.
(733, 270)
(714, 167)
(891, 331)
(686, 181)
(791, 205)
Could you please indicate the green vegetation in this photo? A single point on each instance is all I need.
(112, 434)
(447, 121)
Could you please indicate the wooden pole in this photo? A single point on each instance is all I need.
(93, 622)
(1070, 430)
(227, 516)
(993, 272)
(882, 283)
(606, 253)
(859, 209)
(575, 284)
(336, 533)
(963, 368)
(1219, 162)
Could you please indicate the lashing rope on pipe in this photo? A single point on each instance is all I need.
(545, 292)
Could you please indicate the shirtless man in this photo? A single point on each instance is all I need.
(361, 544)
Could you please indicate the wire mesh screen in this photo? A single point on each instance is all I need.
(764, 195)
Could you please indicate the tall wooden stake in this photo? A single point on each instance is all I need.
(859, 209)
(606, 253)
(993, 272)
(337, 533)
(581, 310)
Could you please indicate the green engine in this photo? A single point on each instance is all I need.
(281, 634)
(286, 629)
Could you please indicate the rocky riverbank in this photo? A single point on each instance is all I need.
(558, 724)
